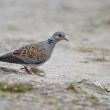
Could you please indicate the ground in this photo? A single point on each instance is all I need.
(78, 73)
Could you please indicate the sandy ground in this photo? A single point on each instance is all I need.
(84, 59)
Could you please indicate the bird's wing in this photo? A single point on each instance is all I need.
(29, 54)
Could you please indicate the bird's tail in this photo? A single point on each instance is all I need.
(11, 58)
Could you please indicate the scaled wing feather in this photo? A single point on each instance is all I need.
(31, 53)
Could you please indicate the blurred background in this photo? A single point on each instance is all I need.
(38, 19)
(85, 58)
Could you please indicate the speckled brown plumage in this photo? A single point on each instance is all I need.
(31, 51)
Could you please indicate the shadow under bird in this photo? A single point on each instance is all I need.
(33, 55)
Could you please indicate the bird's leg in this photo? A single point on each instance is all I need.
(26, 69)
(33, 70)
(37, 71)
(22, 68)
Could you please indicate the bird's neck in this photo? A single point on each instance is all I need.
(51, 41)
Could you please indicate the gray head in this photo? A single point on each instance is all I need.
(59, 36)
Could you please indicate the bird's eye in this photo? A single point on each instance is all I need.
(60, 35)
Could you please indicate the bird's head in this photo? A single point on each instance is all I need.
(59, 36)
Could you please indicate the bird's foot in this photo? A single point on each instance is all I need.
(37, 71)
(27, 70)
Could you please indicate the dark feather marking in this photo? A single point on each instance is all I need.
(50, 41)
(11, 59)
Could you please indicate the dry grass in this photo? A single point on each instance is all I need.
(106, 22)
(98, 59)
(101, 58)
(16, 87)
(84, 49)
(67, 8)
(72, 86)
(92, 97)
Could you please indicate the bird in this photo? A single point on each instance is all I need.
(35, 54)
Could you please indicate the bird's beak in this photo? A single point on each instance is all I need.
(66, 39)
